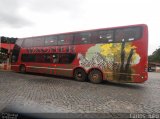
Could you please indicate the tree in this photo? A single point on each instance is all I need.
(155, 57)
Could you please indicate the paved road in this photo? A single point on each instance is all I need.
(57, 94)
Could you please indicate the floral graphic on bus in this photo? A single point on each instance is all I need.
(115, 58)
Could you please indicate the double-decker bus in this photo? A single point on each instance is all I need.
(117, 54)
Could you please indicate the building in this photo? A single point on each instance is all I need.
(6, 47)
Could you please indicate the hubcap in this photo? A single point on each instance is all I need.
(79, 75)
(95, 76)
(22, 69)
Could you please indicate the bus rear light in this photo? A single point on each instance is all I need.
(146, 69)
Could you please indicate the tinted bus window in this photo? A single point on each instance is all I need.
(38, 41)
(47, 58)
(82, 38)
(66, 58)
(50, 40)
(39, 58)
(55, 58)
(128, 34)
(62, 58)
(94, 37)
(28, 42)
(105, 36)
(43, 58)
(28, 58)
(65, 39)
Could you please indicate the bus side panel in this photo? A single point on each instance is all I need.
(15, 67)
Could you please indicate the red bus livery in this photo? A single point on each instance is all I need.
(116, 54)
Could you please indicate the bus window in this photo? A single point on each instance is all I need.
(128, 34)
(66, 58)
(105, 36)
(28, 42)
(38, 41)
(28, 58)
(47, 58)
(82, 38)
(94, 37)
(39, 58)
(65, 39)
(102, 36)
(50, 40)
(55, 58)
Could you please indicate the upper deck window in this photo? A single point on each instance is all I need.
(128, 34)
(82, 38)
(65, 39)
(105, 36)
(51, 40)
(39, 41)
(115, 35)
(28, 42)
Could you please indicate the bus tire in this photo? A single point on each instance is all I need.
(95, 76)
(80, 75)
(22, 69)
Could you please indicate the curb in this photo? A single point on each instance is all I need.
(5, 70)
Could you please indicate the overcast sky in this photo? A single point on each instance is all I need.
(23, 18)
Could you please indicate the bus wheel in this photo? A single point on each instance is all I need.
(22, 69)
(95, 76)
(80, 75)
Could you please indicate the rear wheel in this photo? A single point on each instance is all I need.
(95, 76)
(22, 69)
(80, 75)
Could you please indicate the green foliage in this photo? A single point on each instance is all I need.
(3, 54)
(8, 40)
(155, 57)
